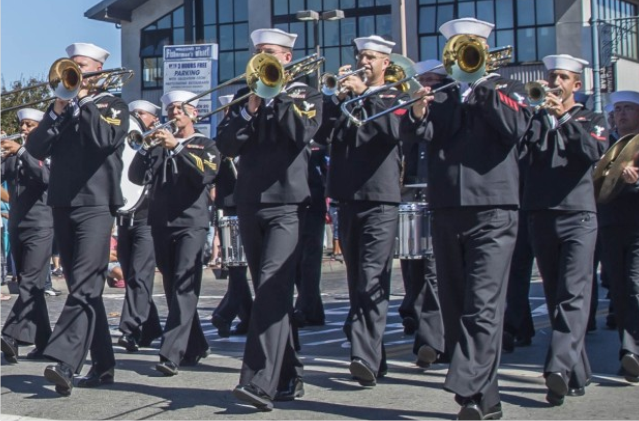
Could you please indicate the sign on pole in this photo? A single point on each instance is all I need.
(193, 68)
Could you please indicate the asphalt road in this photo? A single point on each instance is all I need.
(204, 392)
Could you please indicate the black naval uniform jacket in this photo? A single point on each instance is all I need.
(365, 162)
(225, 185)
(273, 145)
(85, 145)
(562, 153)
(178, 197)
(28, 180)
(472, 154)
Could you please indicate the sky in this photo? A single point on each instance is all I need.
(35, 33)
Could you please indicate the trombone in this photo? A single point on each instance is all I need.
(466, 59)
(265, 76)
(331, 81)
(536, 93)
(65, 81)
(145, 140)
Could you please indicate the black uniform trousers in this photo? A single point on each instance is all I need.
(271, 236)
(564, 245)
(620, 256)
(178, 253)
(140, 318)
(474, 247)
(518, 318)
(83, 235)
(28, 321)
(367, 236)
(411, 268)
(238, 300)
(309, 268)
(430, 325)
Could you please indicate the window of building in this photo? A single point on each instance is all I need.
(619, 35)
(225, 23)
(168, 30)
(527, 25)
(362, 18)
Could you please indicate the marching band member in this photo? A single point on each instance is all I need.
(364, 177)
(474, 195)
(31, 236)
(565, 140)
(84, 138)
(420, 308)
(271, 138)
(238, 300)
(140, 322)
(178, 170)
(619, 232)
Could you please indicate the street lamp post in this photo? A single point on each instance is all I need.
(312, 15)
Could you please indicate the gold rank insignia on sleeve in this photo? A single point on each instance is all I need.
(198, 161)
(113, 120)
(307, 109)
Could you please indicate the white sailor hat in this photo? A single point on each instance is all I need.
(609, 108)
(374, 43)
(225, 99)
(30, 114)
(428, 66)
(624, 96)
(273, 36)
(88, 50)
(564, 62)
(178, 96)
(143, 105)
(466, 26)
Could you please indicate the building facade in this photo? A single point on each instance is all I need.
(534, 28)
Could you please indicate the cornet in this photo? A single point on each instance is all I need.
(145, 140)
(536, 93)
(331, 81)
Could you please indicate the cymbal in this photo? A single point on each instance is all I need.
(605, 162)
(416, 186)
(610, 181)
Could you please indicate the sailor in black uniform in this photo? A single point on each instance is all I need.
(364, 176)
(179, 164)
(619, 232)
(238, 300)
(473, 192)
(271, 138)
(84, 138)
(565, 140)
(31, 236)
(140, 322)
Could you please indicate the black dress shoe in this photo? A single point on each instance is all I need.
(410, 325)
(10, 349)
(240, 329)
(167, 368)
(362, 373)
(426, 355)
(470, 410)
(294, 389)
(508, 342)
(557, 388)
(254, 396)
(95, 377)
(576, 391)
(35, 354)
(223, 327)
(191, 361)
(62, 376)
(629, 362)
(129, 343)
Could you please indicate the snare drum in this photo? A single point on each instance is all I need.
(231, 242)
(413, 239)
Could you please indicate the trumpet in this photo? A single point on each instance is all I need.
(331, 81)
(145, 140)
(65, 81)
(265, 77)
(536, 93)
(16, 137)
